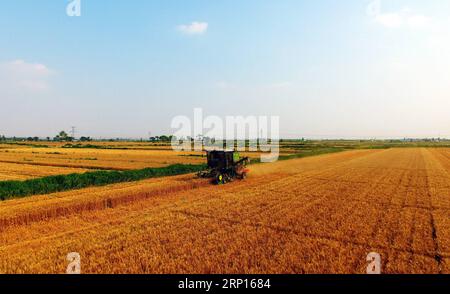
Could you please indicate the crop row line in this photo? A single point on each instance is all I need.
(381, 183)
(311, 235)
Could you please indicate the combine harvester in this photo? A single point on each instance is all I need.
(225, 166)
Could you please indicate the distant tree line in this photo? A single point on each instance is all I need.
(60, 137)
(162, 138)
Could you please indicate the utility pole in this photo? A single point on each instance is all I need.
(73, 133)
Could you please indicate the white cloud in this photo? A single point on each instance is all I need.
(22, 67)
(21, 75)
(280, 85)
(402, 19)
(223, 85)
(194, 28)
(390, 20)
(275, 86)
(418, 21)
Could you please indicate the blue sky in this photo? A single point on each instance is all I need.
(329, 69)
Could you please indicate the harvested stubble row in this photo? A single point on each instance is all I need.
(312, 215)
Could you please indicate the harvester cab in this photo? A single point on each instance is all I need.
(225, 166)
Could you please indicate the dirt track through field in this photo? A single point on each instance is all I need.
(315, 215)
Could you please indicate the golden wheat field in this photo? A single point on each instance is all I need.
(319, 214)
(14, 171)
(19, 163)
(95, 158)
